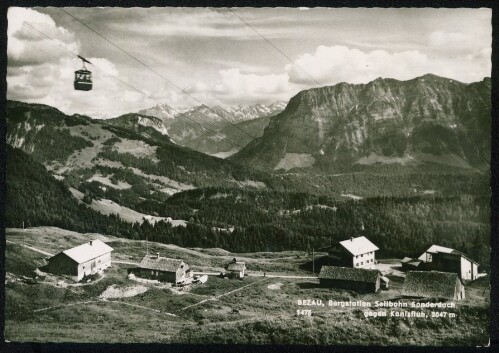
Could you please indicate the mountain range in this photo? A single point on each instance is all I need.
(429, 119)
(335, 159)
(202, 128)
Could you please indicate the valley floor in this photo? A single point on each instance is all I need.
(259, 309)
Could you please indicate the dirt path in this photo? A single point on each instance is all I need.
(31, 248)
(281, 276)
(269, 275)
(107, 301)
(62, 306)
(222, 295)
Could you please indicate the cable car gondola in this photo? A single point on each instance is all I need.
(83, 77)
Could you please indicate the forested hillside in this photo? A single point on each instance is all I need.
(36, 198)
(402, 210)
(250, 220)
(275, 221)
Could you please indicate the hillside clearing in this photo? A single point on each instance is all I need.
(295, 160)
(108, 207)
(137, 148)
(121, 185)
(226, 154)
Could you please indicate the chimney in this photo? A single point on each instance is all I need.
(91, 242)
(351, 238)
(157, 255)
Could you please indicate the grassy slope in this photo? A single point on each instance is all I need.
(265, 315)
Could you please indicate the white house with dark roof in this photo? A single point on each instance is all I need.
(163, 269)
(357, 252)
(83, 260)
(236, 268)
(440, 258)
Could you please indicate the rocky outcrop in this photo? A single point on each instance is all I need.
(417, 121)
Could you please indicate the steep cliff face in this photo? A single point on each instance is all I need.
(427, 119)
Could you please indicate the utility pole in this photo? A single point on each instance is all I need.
(313, 260)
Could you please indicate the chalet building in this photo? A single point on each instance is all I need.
(83, 260)
(357, 279)
(235, 269)
(355, 252)
(433, 284)
(163, 269)
(440, 258)
(410, 264)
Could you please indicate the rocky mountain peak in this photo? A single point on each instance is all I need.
(426, 118)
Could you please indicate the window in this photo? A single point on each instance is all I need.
(357, 264)
(362, 255)
(361, 263)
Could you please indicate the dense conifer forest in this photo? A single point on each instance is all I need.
(245, 220)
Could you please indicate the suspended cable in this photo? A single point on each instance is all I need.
(180, 115)
(165, 79)
(127, 85)
(273, 46)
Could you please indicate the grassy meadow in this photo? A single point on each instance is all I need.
(258, 310)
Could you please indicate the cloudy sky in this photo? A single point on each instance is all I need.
(217, 57)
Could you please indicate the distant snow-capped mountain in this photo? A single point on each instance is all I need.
(191, 127)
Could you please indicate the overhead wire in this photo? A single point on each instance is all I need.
(173, 84)
(273, 45)
(62, 48)
(167, 80)
(181, 116)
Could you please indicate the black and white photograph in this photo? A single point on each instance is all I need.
(248, 175)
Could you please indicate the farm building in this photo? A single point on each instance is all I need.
(355, 252)
(82, 260)
(163, 269)
(235, 269)
(440, 258)
(358, 279)
(410, 264)
(433, 284)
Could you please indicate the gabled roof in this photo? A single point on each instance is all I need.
(236, 266)
(153, 262)
(88, 251)
(349, 274)
(411, 262)
(434, 249)
(359, 245)
(431, 284)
